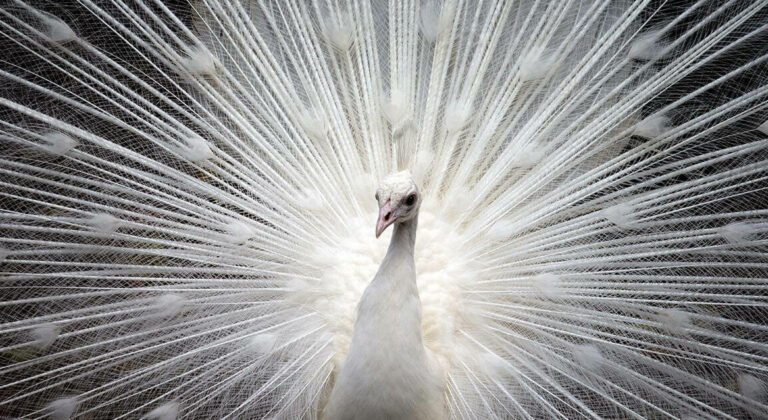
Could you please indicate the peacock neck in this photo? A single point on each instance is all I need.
(404, 237)
(387, 373)
(391, 301)
(390, 307)
(398, 271)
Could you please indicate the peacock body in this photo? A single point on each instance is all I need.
(187, 207)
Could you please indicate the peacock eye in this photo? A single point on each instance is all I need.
(410, 200)
(377, 196)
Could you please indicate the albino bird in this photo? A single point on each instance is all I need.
(186, 209)
(388, 373)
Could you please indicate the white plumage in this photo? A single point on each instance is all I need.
(187, 209)
(388, 372)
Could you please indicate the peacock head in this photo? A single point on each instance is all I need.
(399, 200)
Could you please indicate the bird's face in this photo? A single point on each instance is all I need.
(398, 199)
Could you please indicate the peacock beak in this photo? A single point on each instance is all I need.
(386, 218)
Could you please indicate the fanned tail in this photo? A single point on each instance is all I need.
(186, 203)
